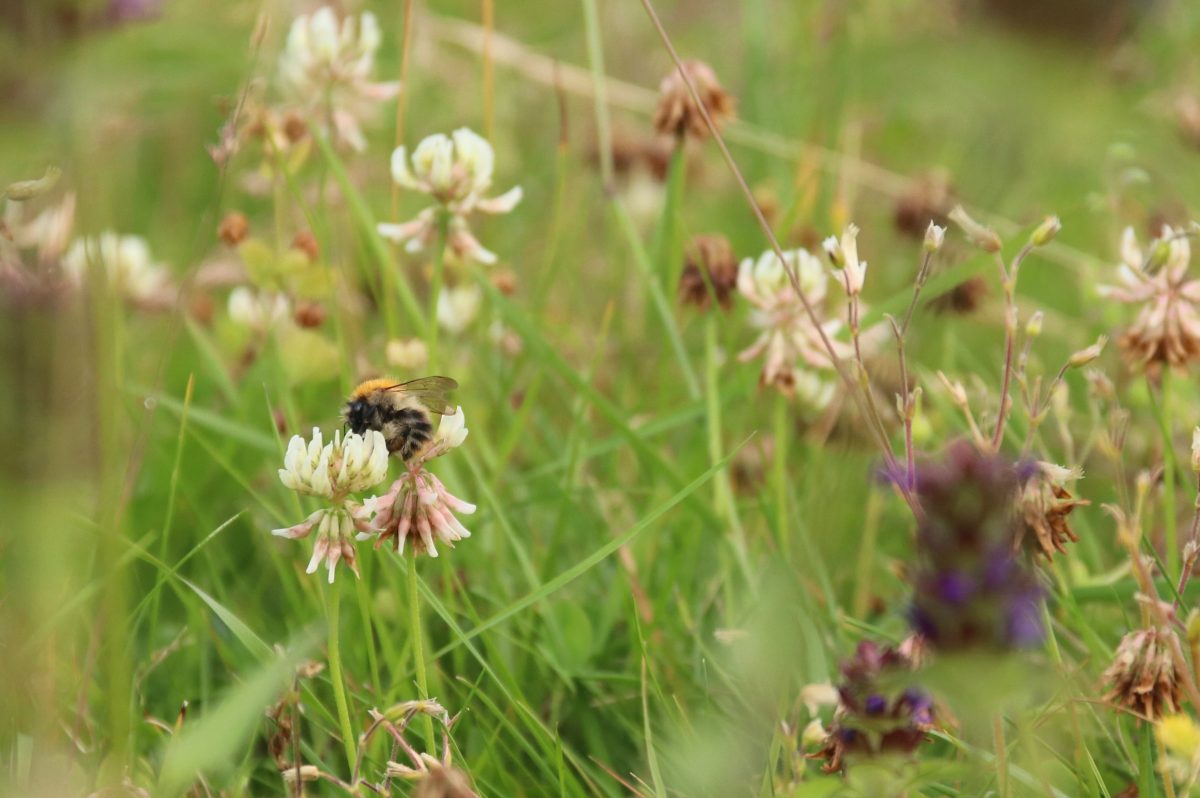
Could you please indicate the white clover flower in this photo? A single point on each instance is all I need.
(456, 171)
(418, 506)
(407, 353)
(789, 343)
(126, 261)
(327, 67)
(258, 310)
(335, 470)
(457, 307)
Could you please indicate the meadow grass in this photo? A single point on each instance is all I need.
(665, 553)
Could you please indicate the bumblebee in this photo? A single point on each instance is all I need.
(401, 411)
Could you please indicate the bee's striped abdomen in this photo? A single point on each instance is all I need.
(408, 430)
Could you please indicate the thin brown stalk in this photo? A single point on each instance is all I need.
(863, 396)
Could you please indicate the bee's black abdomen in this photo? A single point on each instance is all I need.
(408, 430)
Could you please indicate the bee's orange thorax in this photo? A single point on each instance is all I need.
(370, 386)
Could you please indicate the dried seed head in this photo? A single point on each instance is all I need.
(505, 281)
(443, 781)
(1142, 676)
(964, 298)
(233, 229)
(1043, 505)
(925, 203)
(709, 266)
(677, 113)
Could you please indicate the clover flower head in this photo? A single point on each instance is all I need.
(335, 470)
(48, 233)
(258, 310)
(456, 172)
(419, 507)
(795, 360)
(1142, 676)
(1167, 327)
(126, 261)
(709, 272)
(327, 66)
(677, 113)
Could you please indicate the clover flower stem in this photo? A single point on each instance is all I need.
(1001, 756)
(722, 489)
(418, 644)
(670, 247)
(1162, 412)
(435, 285)
(782, 435)
(333, 593)
(364, 608)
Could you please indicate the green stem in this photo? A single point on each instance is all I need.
(333, 595)
(722, 488)
(418, 646)
(595, 46)
(1162, 411)
(780, 470)
(435, 285)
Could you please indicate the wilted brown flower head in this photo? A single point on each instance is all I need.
(709, 261)
(1043, 505)
(306, 242)
(677, 113)
(233, 229)
(1167, 328)
(1142, 676)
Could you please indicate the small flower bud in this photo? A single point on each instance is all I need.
(935, 236)
(1033, 327)
(1086, 356)
(983, 237)
(1045, 232)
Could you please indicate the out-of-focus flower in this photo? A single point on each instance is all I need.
(443, 781)
(709, 270)
(258, 310)
(233, 229)
(789, 344)
(1044, 504)
(407, 353)
(418, 505)
(677, 113)
(970, 589)
(1167, 328)
(333, 472)
(457, 307)
(456, 171)
(1179, 737)
(1142, 676)
(878, 712)
(48, 233)
(926, 201)
(327, 67)
(126, 261)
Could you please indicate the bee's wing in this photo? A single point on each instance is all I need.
(430, 392)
